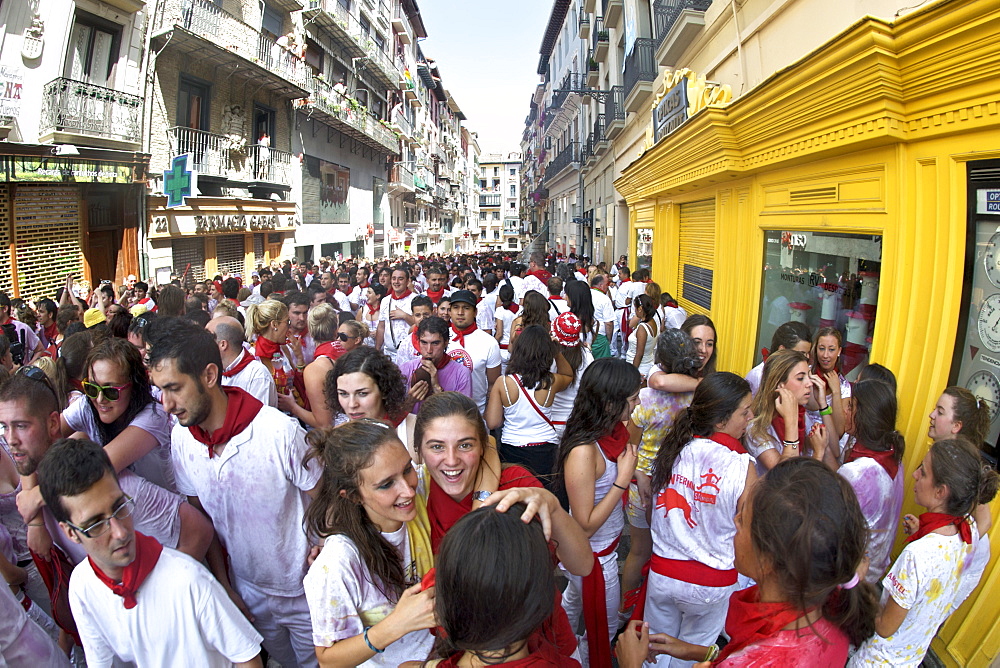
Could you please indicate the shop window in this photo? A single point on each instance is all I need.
(644, 249)
(822, 280)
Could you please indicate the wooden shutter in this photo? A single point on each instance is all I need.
(6, 275)
(47, 235)
(696, 255)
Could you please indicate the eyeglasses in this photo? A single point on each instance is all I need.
(111, 392)
(345, 337)
(100, 528)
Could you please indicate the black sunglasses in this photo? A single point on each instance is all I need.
(345, 337)
(35, 373)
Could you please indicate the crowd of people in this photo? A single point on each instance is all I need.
(433, 461)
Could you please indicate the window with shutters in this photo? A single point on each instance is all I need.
(696, 255)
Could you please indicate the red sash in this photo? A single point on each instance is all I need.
(595, 611)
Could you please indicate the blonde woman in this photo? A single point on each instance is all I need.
(267, 327)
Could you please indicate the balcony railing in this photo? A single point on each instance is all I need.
(337, 18)
(402, 123)
(81, 108)
(665, 13)
(384, 69)
(401, 176)
(489, 200)
(347, 116)
(228, 157)
(640, 64)
(614, 106)
(600, 40)
(565, 158)
(572, 82)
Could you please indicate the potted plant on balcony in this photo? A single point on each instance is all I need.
(603, 35)
(593, 73)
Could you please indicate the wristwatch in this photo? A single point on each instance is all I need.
(481, 495)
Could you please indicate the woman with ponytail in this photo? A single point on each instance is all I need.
(594, 466)
(267, 328)
(701, 476)
(363, 590)
(921, 587)
(801, 536)
(872, 466)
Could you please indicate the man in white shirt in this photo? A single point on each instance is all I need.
(554, 293)
(477, 350)
(623, 308)
(133, 599)
(342, 291)
(243, 464)
(240, 368)
(604, 317)
(484, 311)
(537, 276)
(395, 314)
(358, 296)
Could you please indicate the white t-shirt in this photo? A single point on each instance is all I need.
(357, 297)
(924, 581)
(481, 352)
(255, 380)
(183, 617)
(507, 318)
(604, 310)
(395, 330)
(255, 494)
(693, 518)
(754, 377)
(755, 448)
(343, 301)
(881, 500)
(484, 315)
(530, 282)
(155, 465)
(156, 514)
(517, 283)
(344, 600)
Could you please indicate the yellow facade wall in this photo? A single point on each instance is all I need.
(891, 113)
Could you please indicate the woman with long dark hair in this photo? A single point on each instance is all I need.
(701, 477)
(702, 331)
(581, 304)
(534, 311)
(594, 466)
(641, 342)
(363, 589)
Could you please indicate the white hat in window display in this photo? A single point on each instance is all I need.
(869, 290)
(798, 311)
(831, 304)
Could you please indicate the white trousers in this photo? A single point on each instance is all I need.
(284, 622)
(693, 613)
(572, 599)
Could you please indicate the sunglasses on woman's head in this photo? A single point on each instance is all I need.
(111, 392)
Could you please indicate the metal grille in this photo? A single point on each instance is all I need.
(258, 250)
(230, 254)
(47, 235)
(696, 254)
(189, 251)
(6, 276)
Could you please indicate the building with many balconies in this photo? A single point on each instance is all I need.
(500, 225)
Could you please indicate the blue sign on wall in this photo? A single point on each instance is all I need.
(179, 181)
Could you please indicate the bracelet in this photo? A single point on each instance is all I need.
(791, 444)
(369, 643)
(828, 410)
(624, 489)
(712, 653)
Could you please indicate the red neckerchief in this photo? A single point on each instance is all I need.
(554, 297)
(443, 362)
(51, 332)
(435, 295)
(372, 310)
(414, 340)
(330, 349)
(541, 275)
(513, 307)
(363, 286)
(242, 364)
(725, 439)
(778, 423)
(147, 553)
(400, 297)
(241, 409)
(542, 654)
(932, 521)
(266, 348)
(460, 334)
(885, 458)
(581, 272)
(749, 621)
(613, 445)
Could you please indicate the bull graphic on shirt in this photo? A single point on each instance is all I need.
(669, 499)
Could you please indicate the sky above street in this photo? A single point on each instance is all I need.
(487, 54)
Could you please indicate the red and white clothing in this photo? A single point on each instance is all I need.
(307, 346)
(881, 499)
(395, 329)
(249, 374)
(534, 282)
(692, 572)
(562, 404)
(604, 310)
(182, 617)
(27, 335)
(822, 644)
(506, 317)
(407, 349)
(358, 296)
(479, 352)
(557, 306)
(343, 301)
(254, 492)
(772, 442)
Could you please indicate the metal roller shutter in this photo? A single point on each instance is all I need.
(230, 254)
(47, 234)
(258, 250)
(189, 252)
(696, 255)
(6, 276)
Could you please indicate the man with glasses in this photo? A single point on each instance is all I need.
(241, 462)
(240, 368)
(133, 599)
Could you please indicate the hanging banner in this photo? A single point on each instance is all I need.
(631, 13)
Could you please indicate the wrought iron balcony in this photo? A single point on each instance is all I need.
(213, 36)
(614, 112)
(584, 25)
(226, 156)
(381, 66)
(640, 71)
(401, 179)
(671, 34)
(349, 117)
(566, 157)
(343, 27)
(73, 109)
(572, 82)
(601, 41)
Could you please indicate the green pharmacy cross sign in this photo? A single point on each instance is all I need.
(179, 181)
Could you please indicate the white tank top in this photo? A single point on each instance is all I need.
(648, 351)
(613, 526)
(693, 517)
(522, 423)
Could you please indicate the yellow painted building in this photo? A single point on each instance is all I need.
(862, 170)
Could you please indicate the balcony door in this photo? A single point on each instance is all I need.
(193, 99)
(93, 50)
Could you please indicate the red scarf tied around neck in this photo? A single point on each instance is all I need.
(513, 307)
(541, 275)
(266, 348)
(613, 445)
(240, 412)
(933, 521)
(147, 553)
(460, 334)
(242, 364)
(435, 295)
(400, 297)
(885, 458)
(779, 428)
(725, 439)
(749, 621)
